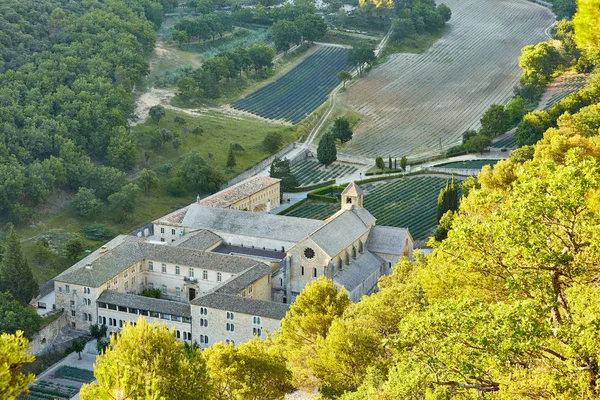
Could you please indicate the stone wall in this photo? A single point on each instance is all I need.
(43, 341)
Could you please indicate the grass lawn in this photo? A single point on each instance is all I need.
(60, 224)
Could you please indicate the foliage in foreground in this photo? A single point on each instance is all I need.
(166, 368)
(13, 354)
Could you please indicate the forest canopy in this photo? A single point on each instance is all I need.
(66, 74)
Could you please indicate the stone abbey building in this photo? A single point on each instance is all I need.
(225, 274)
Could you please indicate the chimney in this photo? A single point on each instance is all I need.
(88, 266)
(103, 249)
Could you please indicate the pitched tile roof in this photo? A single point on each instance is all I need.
(245, 305)
(387, 239)
(145, 303)
(227, 197)
(101, 266)
(358, 270)
(200, 240)
(243, 223)
(352, 190)
(328, 237)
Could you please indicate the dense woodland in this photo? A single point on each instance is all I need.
(67, 96)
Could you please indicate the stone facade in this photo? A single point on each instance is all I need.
(225, 274)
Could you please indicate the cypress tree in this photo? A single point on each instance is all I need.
(389, 162)
(15, 274)
(326, 152)
(447, 199)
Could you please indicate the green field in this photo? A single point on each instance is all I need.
(409, 202)
(310, 171)
(469, 164)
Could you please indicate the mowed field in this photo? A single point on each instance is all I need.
(416, 103)
(299, 92)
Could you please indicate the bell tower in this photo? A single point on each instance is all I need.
(352, 197)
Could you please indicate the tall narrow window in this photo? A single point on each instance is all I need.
(191, 272)
(205, 274)
(164, 268)
(177, 270)
(219, 277)
(315, 272)
(150, 266)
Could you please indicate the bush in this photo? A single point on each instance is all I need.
(272, 142)
(154, 293)
(98, 232)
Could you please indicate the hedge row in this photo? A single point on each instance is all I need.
(311, 187)
(316, 195)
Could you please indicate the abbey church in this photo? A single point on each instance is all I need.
(225, 274)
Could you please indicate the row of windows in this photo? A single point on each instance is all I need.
(203, 311)
(257, 331)
(178, 271)
(256, 320)
(163, 289)
(230, 315)
(230, 327)
(203, 339)
(315, 272)
(186, 335)
(146, 313)
(86, 317)
(204, 322)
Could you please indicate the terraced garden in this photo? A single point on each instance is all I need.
(561, 88)
(299, 92)
(310, 171)
(47, 390)
(418, 103)
(469, 164)
(409, 202)
(315, 209)
(507, 142)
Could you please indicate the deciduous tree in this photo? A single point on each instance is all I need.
(342, 130)
(15, 316)
(157, 112)
(13, 355)
(148, 180)
(309, 318)
(163, 368)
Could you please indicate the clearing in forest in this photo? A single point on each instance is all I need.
(420, 103)
(299, 92)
